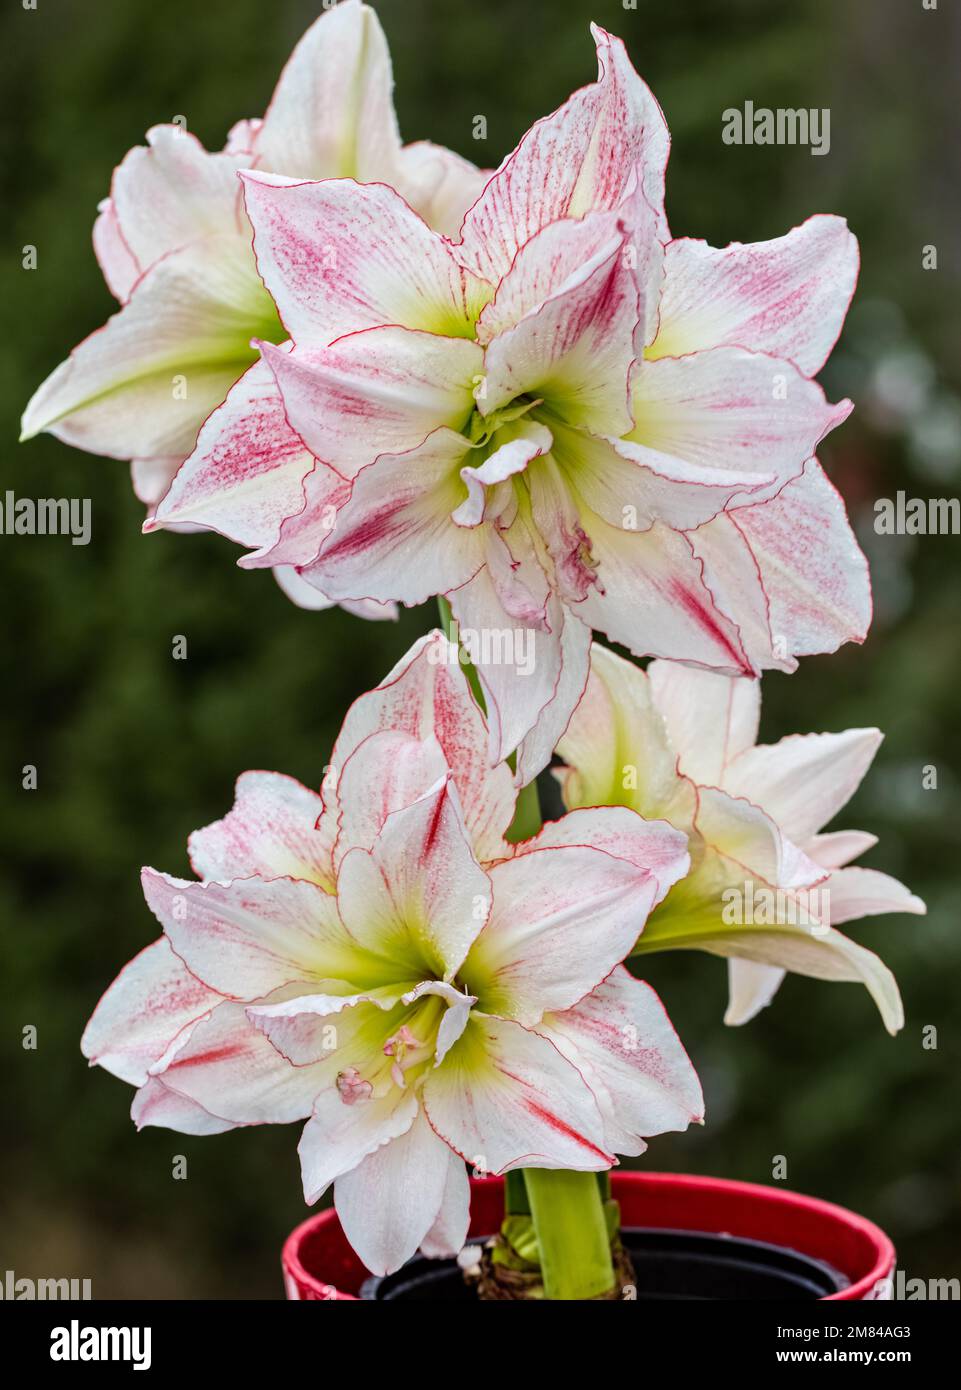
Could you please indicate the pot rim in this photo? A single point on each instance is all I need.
(716, 1204)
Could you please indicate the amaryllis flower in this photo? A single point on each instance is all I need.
(174, 245)
(382, 964)
(562, 420)
(767, 887)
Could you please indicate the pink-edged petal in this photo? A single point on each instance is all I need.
(269, 832)
(653, 846)
(377, 391)
(338, 1136)
(559, 257)
(803, 781)
(251, 936)
(392, 1199)
(711, 719)
(306, 595)
(395, 539)
(439, 184)
(506, 1098)
(751, 987)
(787, 297)
(655, 600)
(172, 192)
(385, 773)
(341, 1028)
(575, 351)
(839, 847)
(246, 474)
(621, 1040)
(425, 695)
(733, 575)
(858, 893)
(156, 1104)
(814, 575)
(120, 267)
(230, 1069)
(448, 1234)
(618, 753)
(562, 919)
(306, 529)
(514, 456)
(535, 749)
(519, 666)
(581, 159)
(151, 478)
(733, 410)
(332, 113)
(631, 486)
(338, 256)
(418, 898)
(152, 1001)
(142, 385)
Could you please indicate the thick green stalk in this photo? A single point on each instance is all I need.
(572, 1235)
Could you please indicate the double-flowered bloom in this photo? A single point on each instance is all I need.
(549, 411)
(380, 962)
(766, 888)
(174, 245)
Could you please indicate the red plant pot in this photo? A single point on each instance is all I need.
(319, 1264)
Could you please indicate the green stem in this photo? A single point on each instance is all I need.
(575, 1248)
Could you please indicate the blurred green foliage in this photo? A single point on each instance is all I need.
(134, 749)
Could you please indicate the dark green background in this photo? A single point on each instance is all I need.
(135, 749)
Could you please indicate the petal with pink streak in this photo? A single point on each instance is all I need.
(394, 539)
(654, 599)
(246, 474)
(425, 695)
(733, 410)
(814, 575)
(156, 1104)
(575, 351)
(787, 297)
(338, 256)
(251, 936)
(377, 391)
(621, 1040)
(418, 898)
(506, 1098)
(562, 919)
(385, 773)
(233, 1072)
(581, 159)
(269, 832)
(152, 1001)
(653, 846)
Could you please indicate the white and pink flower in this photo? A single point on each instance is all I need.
(174, 245)
(381, 963)
(562, 420)
(767, 887)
